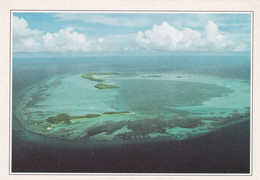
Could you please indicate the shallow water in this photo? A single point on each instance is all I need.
(168, 103)
(164, 106)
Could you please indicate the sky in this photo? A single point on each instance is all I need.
(131, 33)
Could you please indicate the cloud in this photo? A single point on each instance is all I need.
(114, 43)
(241, 47)
(166, 37)
(24, 37)
(65, 40)
(102, 19)
(214, 39)
(27, 40)
(20, 28)
(163, 37)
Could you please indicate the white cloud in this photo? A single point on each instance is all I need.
(215, 39)
(24, 37)
(128, 49)
(27, 40)
(20, 28)
(161, 37)
(114, 43)
(166, 37)
(100, 40)
(102, 19)
(241, 47)
(65, 40)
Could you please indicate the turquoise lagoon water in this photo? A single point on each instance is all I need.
(171, 98)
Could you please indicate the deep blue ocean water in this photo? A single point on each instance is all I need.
(225, 150)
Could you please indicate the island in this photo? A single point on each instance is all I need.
(111, 74)
(59, 119)
(85, 116)
(151, 76)
(179, 76)
(90, 75)
(182, 76)
(122, 112)
(105, 86)
(91, 78)
(66, 118)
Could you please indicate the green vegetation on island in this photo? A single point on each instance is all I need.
(111, 74)
(90, 77)
(59, 119)
(182, 76)
(85, 116)
(65, 118)
(105, 86)
(151, 76)
(179, 76)
(122, 112)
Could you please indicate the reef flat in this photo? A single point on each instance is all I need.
(174, 106)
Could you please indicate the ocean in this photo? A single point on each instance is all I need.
(222, 148)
